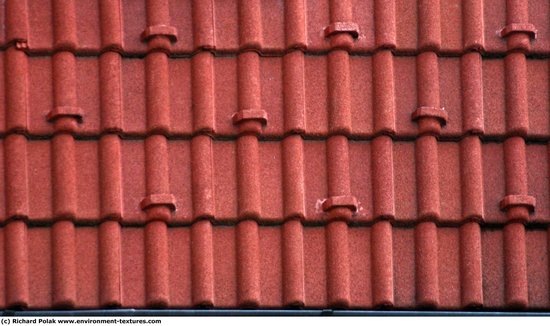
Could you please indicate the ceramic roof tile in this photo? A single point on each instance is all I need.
(190, 287)
(110, 178)
(487, 96)
(452, 27)
(356, 154)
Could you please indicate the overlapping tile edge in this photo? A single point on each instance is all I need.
(476, 112)
(269, 27)
(294, 180)
(294, 92)
(158, 204)
(215, 266)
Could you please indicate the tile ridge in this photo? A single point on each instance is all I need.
(295, 25)
(17, 23)
(249, 119)
(382, 268)
(250, 25)
(110, 92)
(203, 24)
(16, 264)
(473, 26)
(64, 278)
(202, 266)
(427, 161)
(429, 25)
(384, 24)
(16, 177)
(203, 108)
(64, 27)
(517, 208)
(111, 25)
(110, 265)
(17, 88)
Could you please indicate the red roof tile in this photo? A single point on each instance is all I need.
(227, 266)
(274, 27)
(352, 154)
(110, 178)
(295, 91)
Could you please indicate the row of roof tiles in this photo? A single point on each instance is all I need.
(271, 181)
(450, 27)
(359, 96)
(285, 266)
(163, 182)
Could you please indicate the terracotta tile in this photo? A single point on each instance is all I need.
(315, 273)
(17, 269)
(537, 171)
(271, 272)
(449, 267)
(110, 253)
(449, 181)
(355, 154)
(494, 18)
(493, 181)
(128, 180)
(360, 264)
(537, 268)
(87, 266)
(202, 262)
(406, 27)
(4, 272)
(403, 268)
(537, 17)
(405, 194)
(132, 267)
(378, 102)
(273, 26)
(493, 269)
(225, 283)
(471, 279)
(181, 285)
(318, 289)
(40, 267)
(537, 97)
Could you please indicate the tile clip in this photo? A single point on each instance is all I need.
(65, 111)
(158, 200)
(526, 201)
(527, 28)
(340, 202)
(342, 27)
(246, 115)
(430, 112)
(160, 30)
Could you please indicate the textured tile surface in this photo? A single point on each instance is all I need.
(274, 26)
(356, 154)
